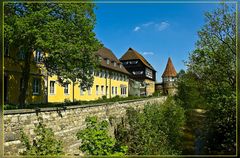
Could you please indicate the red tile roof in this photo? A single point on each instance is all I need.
(132, 54)
(105, 54)
(169, 70)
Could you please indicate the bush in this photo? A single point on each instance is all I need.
(155, 131)
(95, 139)
(44, 144)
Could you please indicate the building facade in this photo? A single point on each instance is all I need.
(141, 70)
(110, 80)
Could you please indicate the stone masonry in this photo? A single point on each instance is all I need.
(64, 122)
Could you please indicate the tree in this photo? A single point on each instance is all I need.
(157, 130)
(44, 144)
(63, 31)
(214, 64)
(95, 139)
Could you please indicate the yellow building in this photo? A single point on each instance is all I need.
(13, 80)
(110, 80)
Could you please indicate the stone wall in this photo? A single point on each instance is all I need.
(64, 122)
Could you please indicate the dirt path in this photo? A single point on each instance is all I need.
(192, 142)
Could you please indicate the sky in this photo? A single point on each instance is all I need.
(157, 31)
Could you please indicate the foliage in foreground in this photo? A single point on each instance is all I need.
(213, 65)
(157, 130)
(44, 144)
(96, 141)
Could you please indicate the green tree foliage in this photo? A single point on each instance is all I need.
(63, 31)
(213, 64)
(44, 144)
(157, 130)
(189, 91)
(96, 141)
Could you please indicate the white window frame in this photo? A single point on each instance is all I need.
(81, 91)
(36, 86)
(38, 56)
(68, 89)
(108, 61)
(89, 90)
(112, 90)
(54, 87)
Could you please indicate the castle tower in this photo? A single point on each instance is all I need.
(169, 77)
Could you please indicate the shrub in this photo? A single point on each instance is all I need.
(95, 139)
(157, 130)
(43, 144)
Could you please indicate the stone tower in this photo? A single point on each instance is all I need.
(169, 77)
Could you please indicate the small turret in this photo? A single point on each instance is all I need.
(169, 76)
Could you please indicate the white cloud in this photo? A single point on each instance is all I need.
(137, 28)
(148, 24)
(162, 26)
(148, 53)
(154, 25)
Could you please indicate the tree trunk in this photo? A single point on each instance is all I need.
(25, 77)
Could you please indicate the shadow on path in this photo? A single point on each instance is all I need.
(192, 142)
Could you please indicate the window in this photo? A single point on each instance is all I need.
(149, 73)
(112, 90)
(123, 90)
(102, 90)
(106, 90)
(120, 66)
(52, 87)
(38, 56)
(103, 73)
(116, 90)
(81, 91)
(100, 73)
(100, 58)
(114, 63)
(137, 72)
(36, 86)
(89, 91)
(21, 54)
(97, 89)
(107, 74)
(66, 88)
(108, 62)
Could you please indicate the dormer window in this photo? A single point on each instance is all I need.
(114, 63)
(120, 66)
(108, 61)
(100, 58)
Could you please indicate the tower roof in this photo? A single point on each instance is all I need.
(132, 54)
(169, 70)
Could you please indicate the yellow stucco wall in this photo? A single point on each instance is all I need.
(13, 71)
(59, 95)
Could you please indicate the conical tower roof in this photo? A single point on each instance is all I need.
(169, 70)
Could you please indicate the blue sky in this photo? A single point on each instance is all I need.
(157, 31)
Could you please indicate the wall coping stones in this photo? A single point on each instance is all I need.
(37, 110)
